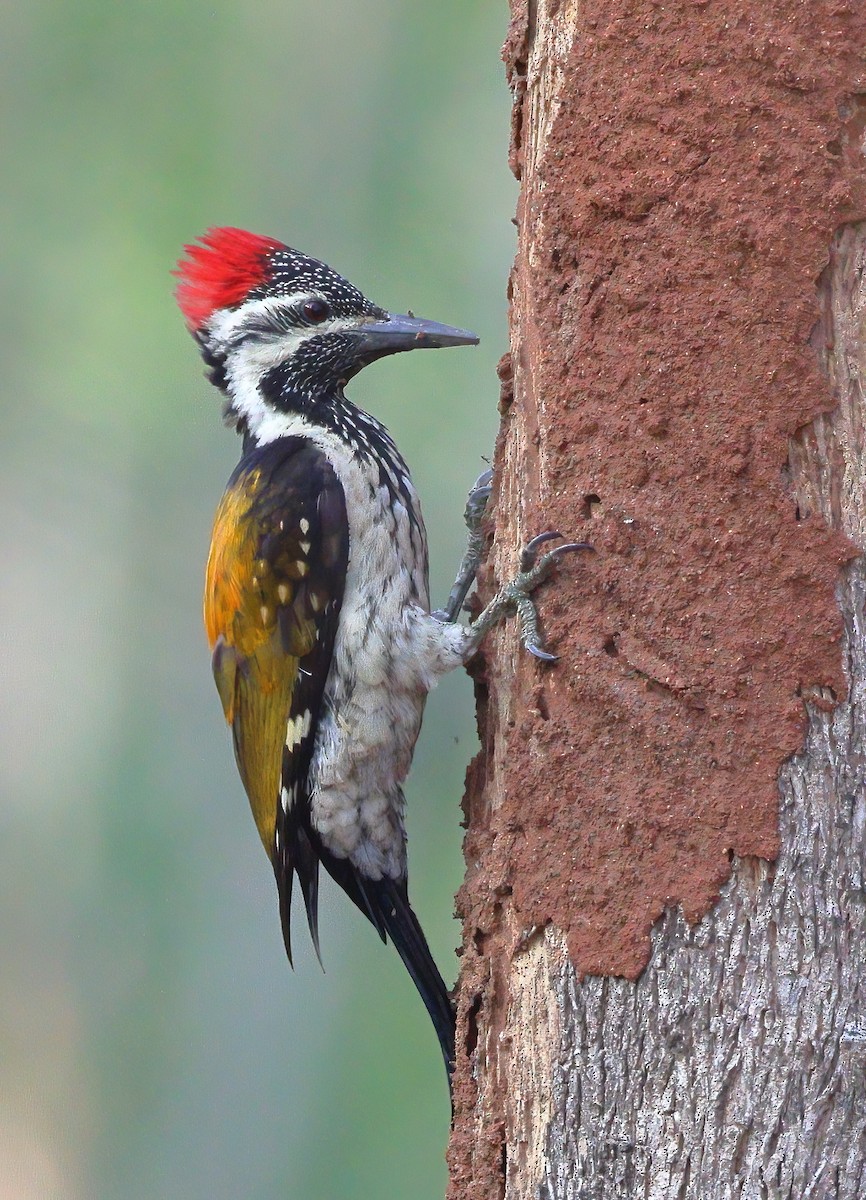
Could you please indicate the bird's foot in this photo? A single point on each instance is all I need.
(515, 596)
(476, 505)
(476, 501)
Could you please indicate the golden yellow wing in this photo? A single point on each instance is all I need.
(274, 585)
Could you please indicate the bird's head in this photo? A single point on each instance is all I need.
(280, 332)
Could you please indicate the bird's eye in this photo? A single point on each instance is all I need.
(315, 311)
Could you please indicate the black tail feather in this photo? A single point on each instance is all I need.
(307, 866)
(386, 903)
(298, 855)
(284, 891)
(408, 937)
(367, 906)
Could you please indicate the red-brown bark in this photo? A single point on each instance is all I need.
(684, 168)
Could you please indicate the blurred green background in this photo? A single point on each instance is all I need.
(154, 1041)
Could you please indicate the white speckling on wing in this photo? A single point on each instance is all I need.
(298, 728)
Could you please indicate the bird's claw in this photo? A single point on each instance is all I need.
(515, 596)
(534, 571)
(540, 654)
(530, 550)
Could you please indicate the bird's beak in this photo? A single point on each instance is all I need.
(397, 332)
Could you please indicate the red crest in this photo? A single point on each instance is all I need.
(220, 271)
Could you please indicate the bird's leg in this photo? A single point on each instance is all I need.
(515, 595)
(476, 504)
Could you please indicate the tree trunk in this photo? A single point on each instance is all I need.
(663, 989)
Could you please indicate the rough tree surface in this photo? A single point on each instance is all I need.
(688, 171)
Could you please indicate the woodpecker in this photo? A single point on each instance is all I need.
(316, 598)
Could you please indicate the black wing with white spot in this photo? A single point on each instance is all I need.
(275, 581)
(297, 848)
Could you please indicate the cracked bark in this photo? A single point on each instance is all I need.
(728, 1059)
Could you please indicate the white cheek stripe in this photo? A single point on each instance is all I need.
(247, 364)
